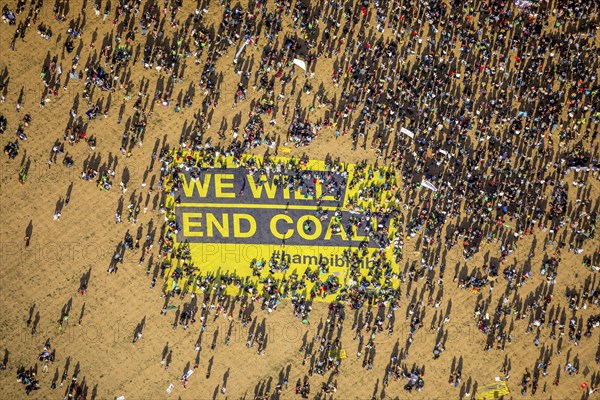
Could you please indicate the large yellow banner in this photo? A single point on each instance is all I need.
(282, 225)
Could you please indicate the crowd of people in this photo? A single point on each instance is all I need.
(478, 118)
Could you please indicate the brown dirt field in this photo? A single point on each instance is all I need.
(47, 273)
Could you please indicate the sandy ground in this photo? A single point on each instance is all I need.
(43, 278)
